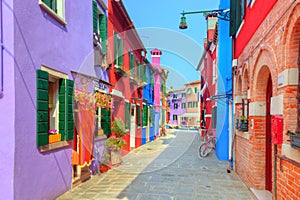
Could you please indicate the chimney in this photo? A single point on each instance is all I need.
(155, 55)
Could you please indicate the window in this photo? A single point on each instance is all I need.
(118, 50)
(196, 104)
(189, 91)
(151, 116)
(127, 115)
(183, 105)
(195, 90)
(54, 106)
(183, 95)
(175, 106)
(55, 8)
(99, 25)
(174, 117)
(145, 115)
(190, 104)
(174, 96)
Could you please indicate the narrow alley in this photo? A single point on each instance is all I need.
(167, 168)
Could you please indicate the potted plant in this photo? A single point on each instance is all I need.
(294, 139)
(243, 123)
(114, 143)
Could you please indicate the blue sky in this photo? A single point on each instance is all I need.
(157, 23)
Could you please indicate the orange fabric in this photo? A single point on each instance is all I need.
(85, 126)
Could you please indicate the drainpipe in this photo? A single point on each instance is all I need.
(275, 171)
(1, 56)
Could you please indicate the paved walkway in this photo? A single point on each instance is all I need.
(167, 168)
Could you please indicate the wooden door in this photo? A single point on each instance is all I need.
(268, 137)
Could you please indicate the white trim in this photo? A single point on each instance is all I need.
(241, 25)
(155, 56)
(252, 3)
(54, 72)
(208, 115)
(59, 17)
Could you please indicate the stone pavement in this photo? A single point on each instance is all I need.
(167, 168)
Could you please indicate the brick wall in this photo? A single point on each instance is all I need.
(272, 50)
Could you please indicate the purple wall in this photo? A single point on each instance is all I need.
(179, 111)
(7, 108)
(39, 39)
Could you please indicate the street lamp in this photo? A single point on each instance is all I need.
(223, 14)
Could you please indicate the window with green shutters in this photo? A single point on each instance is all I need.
(175, 106)
(152, 79)
(145, 73)
(183, 105)
(174, 117)
(56, 9)
(195, 90)
(127, 115)
(145, 115)
(64, 121)
(100, 25)
(118, 50)
(138, 115)
(151, 116)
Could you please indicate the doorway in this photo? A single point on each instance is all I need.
(132, 126)
(268, 169)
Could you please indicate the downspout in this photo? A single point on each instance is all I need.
(275, 172)
(1, 55)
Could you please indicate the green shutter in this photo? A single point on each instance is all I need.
(62, 108)
(42, 104)
(145, 115)
(105, 121)
(115, 48)
(151, 116)
(235, 16)
(69, 110)
(120, 52)
(95, 16)
(103, 30)
(138, 108)
(66, 118)
(145, 73)
(131, 62)
(127, 115)
(51, 4)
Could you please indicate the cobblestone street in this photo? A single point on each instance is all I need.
(167, 168)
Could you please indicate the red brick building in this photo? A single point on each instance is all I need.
(266, 84)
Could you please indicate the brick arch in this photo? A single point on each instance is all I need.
(291, 37)
(239, 85)
(245, 75)
(265, 63)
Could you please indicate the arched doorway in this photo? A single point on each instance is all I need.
(263, 144)
(268, 170)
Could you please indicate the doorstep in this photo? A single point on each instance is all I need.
(261, 194)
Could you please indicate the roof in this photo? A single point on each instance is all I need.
(177, 90)
(194, 82)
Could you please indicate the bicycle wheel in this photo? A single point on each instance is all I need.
(204, 150)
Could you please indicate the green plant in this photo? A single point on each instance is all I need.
(293, 133)
(110, 144)
(118, 128)
(244, 119)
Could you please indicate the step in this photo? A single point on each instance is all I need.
(261, 194)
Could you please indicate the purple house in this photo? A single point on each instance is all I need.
(46, 44)
(177, 107)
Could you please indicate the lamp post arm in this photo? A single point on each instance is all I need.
(223, 14)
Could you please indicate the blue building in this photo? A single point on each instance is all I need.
(224, 91)
(148, 101)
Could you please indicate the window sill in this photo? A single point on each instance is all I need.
(290, 152)
(52, 13)
(53, 146)
(243, 134)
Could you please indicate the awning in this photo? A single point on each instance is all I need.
(191, 115)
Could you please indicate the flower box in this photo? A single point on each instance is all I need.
(54, 138)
